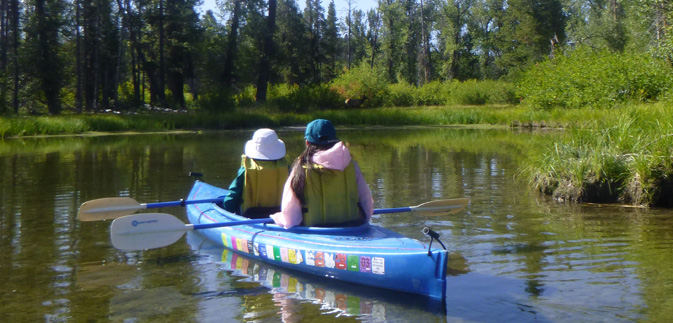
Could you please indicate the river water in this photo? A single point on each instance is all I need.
(515, 256)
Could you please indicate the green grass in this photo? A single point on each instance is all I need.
(622, 154)
(614, 155)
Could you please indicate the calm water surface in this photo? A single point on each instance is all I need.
(514, 256)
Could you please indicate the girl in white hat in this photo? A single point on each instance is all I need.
(256, 192)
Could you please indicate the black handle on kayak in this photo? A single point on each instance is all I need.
(433, 236)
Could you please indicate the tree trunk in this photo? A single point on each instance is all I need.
(48, 65)
(161, 94)
(15, 49)
(232, 44)
(267, 55)
(78, 58)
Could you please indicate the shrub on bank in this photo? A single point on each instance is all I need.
(589, 78)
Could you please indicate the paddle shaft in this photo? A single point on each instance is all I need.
(180, 203)
(230, 224)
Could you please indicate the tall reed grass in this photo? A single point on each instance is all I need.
(615, 155)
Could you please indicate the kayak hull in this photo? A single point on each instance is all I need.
(368, 254)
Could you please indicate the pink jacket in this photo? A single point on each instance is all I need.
(337, 157)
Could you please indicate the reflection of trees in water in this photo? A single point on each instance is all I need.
(43, 182)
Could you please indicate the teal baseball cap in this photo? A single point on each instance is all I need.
(320, 132)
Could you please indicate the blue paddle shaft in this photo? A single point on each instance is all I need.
(181, 203)
(233, 223)
(393, 210)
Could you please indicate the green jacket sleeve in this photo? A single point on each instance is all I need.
(233, 200)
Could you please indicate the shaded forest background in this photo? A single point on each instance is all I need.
(87, 56)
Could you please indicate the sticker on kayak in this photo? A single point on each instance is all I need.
(340, 260)
(250, 246)
(225, 241)
(329, 260)
(378, 265)
(295, 256)
(310, 257)
(269, 252)
(353, 263)
(365, 264)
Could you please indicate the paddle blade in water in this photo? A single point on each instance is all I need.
(108, 208)
(146, 231)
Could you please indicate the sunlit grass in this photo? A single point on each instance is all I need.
(623, 154)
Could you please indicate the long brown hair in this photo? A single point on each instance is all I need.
(305, 160)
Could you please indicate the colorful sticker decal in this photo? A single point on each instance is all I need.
(319, 259)
(300, 257)
(310, 257)
(341, 262)
(283, 255)
(269, 251)
(234, 245)
(379, 266)
(225, 240)
(354, 263)
(255, 248)
(329, 260)
(261, 248)
(250, 247)
(292, 256)
(244, 244)
(365, 264)
(276, 253)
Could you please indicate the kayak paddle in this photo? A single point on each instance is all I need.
(114, 207)
(156, 230)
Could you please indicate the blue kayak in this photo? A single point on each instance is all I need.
(368, 254)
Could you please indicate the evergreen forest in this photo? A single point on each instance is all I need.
(89, 56)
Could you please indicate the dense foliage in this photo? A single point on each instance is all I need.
(590, 78)
(90, 56)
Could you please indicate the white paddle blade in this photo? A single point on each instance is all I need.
(146, 231)
(108, 208)
(441, 207)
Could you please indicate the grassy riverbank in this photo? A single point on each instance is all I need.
(616, 155)
(620, 154)
(79, 124)
(507, 115)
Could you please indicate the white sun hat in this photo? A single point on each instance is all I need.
(265, 145)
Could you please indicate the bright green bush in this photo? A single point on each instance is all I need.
(401, 95)
(293, 98)
(588, 78)
(362, 81)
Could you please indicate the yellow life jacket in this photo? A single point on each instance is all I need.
(330, 196)
(264, 181)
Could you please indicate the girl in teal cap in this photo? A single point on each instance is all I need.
(325, 186)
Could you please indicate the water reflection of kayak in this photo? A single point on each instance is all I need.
(367, 254)
(375, 303)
